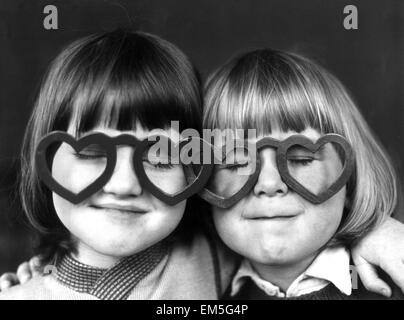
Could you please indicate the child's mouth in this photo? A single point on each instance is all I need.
(126, 209)
(274, 218)
(274, 214)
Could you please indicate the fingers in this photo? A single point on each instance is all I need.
(35, 266)
(370, 278)
(8, 280)
(24, 272)
(395, 269)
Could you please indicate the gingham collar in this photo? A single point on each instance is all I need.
(115, 283)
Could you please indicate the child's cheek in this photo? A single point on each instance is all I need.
(230, 227)
(323, 220)
(170, 181)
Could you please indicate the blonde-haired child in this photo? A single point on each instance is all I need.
(295, 244)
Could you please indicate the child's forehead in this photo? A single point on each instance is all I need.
(253, 136)
(311, 133)
(139, 132)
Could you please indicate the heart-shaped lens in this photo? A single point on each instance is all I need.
(162, 165)
(171, 171)
(229, 177)
(75, 169)
(315, 171)
(233, 175)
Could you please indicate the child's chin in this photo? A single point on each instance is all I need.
(121, 248)
(274, 255)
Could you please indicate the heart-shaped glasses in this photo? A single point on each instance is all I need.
(75, 169)
(314, 170)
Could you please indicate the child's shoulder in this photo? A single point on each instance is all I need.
(42, 288)
(34, 289)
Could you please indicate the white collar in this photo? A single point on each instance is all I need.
(330, 266)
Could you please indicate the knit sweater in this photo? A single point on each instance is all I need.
(193, 270)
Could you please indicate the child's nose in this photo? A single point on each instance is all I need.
(123, 181)
(269, 181)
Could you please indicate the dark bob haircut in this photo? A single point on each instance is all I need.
(116, 79)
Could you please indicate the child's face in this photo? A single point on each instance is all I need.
(274, 225)
(122, 218)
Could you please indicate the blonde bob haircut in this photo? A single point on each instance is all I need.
(268, 89)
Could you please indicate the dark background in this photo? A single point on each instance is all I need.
(369, 61)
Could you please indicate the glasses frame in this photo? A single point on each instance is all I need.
(44, 157)
(282, 147)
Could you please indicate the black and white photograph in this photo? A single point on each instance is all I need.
(221, 151)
